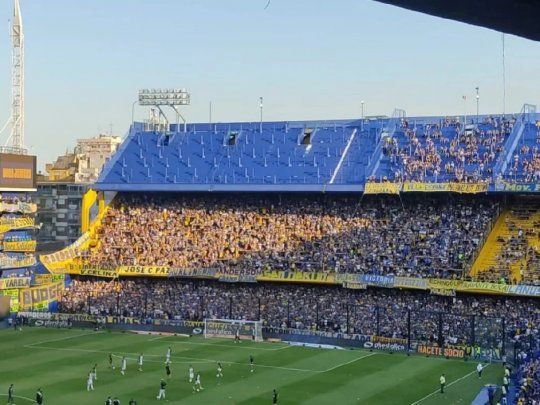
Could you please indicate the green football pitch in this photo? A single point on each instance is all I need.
(59, 361)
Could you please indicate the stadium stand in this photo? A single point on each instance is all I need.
(247, 234)
(402, 233)
(443, 150)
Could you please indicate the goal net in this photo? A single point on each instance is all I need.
(230, 328)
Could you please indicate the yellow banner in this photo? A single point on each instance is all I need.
(297, 276)
(460, 285)
(14, 302)
(8, 224)
(14, 282)
(20, 246)
(152, 271)
(59, 261)
(464, 188)
(382, 188)
(469, 188)
(41, 279)
(40, 297)
(98, 271)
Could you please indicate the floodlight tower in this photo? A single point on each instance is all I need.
(17, 81)
(166, 97)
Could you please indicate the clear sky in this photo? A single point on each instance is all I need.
(309, 59)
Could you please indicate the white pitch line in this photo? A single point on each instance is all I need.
(227, 346)
(67, 349)
(157, 338)
(348, 362)
(19, 396)
(64, 338)
(448, 386)
(162, 362)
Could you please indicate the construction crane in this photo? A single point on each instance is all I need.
(15, 142)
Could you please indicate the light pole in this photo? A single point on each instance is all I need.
(464, 112)
(362, 104)
(133, 111)
(261, 107)
(477, 104)
(210, 115)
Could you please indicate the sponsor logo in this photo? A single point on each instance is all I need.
(51, 324)
(457, 352)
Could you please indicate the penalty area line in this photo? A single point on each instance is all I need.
(348, 362)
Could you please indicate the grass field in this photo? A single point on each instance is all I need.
(58, 361)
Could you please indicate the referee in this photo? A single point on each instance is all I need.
(442, 381)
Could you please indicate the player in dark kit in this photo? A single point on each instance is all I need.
(116, 401)
(39, 396)
(274, 397)
(168, 370)
(252, 363)
(132, 402)
(108, 401)
(111, 361)
(10, 399)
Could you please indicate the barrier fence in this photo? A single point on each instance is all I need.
(426, 332)
(485, 339)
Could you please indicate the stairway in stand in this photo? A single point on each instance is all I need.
(512, 249)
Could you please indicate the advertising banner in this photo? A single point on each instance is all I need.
(17, 172)
(456, 352)
(386, 343)
(518, 187)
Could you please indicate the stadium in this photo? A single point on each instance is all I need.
(377, 260)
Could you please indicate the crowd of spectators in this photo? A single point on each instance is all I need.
(247, 234)
(525, 164)
(381, 312)
(444, 151)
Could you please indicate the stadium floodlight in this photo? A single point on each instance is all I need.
(165, 98)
